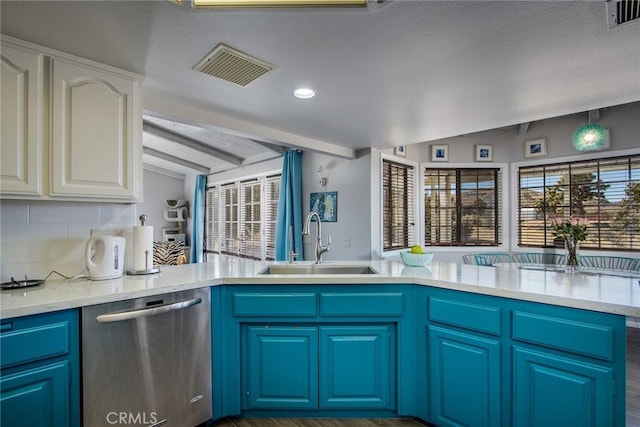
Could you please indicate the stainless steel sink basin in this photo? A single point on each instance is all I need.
(318, 269)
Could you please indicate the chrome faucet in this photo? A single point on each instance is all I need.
(305, 231)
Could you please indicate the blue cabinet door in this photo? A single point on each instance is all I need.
(357, 367)
(551, 390)
(465, 379)
(282, 368)
(36, 397)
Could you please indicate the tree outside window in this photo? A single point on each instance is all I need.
(603, 191)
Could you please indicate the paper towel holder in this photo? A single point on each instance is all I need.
(148, 269)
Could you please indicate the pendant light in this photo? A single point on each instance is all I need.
(591, 136)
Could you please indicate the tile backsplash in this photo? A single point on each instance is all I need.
(37, 237)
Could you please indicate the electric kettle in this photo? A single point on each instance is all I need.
(104, 257)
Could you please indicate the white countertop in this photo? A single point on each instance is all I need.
(595, 291)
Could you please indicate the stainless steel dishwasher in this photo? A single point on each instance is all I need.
(147, 362)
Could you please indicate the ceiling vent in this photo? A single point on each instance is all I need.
(621, 12)
(232, 65)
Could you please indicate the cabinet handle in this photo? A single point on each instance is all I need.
(6, 327)
(133, 314)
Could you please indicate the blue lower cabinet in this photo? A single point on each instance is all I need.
(319, 367)
(464, 378)
(551, 390)
(40, 370)
(282, 368)
(357, 367)
(36, 397)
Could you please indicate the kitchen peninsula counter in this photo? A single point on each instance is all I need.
(615, 294)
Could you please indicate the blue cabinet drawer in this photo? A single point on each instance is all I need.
(277, 304)
(465, 315)
(569, 335)
(362, 304)
(36, 397)
(34, 338)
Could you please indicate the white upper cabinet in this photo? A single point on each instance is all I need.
(94, 136)
(91, 140)
(21, 122)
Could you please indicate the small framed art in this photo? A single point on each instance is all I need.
(484, 153)
(535, 148)
(325, 204)
(400, 150)
(439, 153)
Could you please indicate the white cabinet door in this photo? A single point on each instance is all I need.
(96, 132)
(21, 122)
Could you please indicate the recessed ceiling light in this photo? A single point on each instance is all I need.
(304, 93)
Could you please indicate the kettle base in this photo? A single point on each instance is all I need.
(134, 272)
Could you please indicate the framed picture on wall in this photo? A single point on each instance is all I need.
(439, 153)
(484, 153)
(400, 150)
(535, 148)
(325, 204)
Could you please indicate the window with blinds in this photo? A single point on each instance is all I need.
(604, 191)
(241, 218)
(398, 222)
(462, 207)
(272, 193)
(212, 220)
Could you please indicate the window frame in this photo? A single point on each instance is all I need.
(505, 183)
(263, 179)
(416, 210)
(515, 204)
(497, 231)
(412, 229)
(503, 211)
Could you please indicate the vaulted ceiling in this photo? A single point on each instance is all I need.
(397, 72)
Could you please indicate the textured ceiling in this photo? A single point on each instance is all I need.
(401, 73)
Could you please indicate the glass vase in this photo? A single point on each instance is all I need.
(572, 247)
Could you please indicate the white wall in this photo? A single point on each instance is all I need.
(508, 147)
(37, 237)
(358, 181)
(158, 188)
(41, 236)
(351, 234)
(350, 178)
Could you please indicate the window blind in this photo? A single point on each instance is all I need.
(272, 195)
(212, 216)
(398, 222)
(462, 207)
(604, 191)
(240, 217)
(250, 241)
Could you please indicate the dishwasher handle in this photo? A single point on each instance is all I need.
(143, 312)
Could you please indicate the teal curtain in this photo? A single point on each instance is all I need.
(289, 219)
(197, 221)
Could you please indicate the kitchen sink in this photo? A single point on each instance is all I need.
(318, 269)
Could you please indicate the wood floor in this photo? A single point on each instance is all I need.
(633, 403)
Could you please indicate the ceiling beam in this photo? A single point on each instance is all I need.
(191, 143)
(169, 158)
(186, 113)
(163, 171)
(279, 149)
(523, 128)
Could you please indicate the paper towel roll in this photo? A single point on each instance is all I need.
(142, 247)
